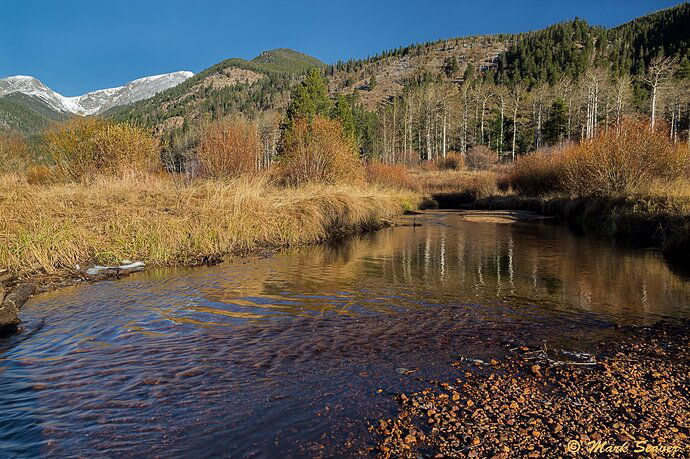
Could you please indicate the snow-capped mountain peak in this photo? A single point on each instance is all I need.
(94, 102)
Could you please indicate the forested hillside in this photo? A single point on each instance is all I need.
(568, 49)
(513, 93)
(26, 114)
(254, 88)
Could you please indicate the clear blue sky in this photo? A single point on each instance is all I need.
(76, 46)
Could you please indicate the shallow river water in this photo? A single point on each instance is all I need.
(292, 355)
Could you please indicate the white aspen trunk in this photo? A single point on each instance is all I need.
(444, 137)
(476, 120)
(589, 113)
(539, 126)
(570, 117)
(428, 135)
(463, 145)
(394, 152)
(653, 106)
(688, 126)
(619, 112)
(405, 131)
(482, 121)
(673, 124)
(677, 123)
(385, 139)
(606, 116)
(500, 140)
(515, 110)
(595, 108)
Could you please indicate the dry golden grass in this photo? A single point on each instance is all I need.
(161, 221)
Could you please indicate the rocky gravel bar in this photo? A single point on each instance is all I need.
(630, 398)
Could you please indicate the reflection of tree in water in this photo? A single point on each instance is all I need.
(453, 261)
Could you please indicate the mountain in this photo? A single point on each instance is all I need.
(264, 83)
(27, 114)
(233, 85)
(539, 57)
(27, 105)
(392, 71)
(100, 101)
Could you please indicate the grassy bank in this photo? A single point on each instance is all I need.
(161, 220)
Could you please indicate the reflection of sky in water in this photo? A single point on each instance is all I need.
(244, 355)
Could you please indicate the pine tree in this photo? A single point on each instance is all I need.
(450, 66)
(309, 98)
(554, 129)
(342, 111)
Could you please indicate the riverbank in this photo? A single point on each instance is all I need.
(50, 233)
(629, 397)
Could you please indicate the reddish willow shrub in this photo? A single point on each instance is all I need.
(452, 161)
(389, 175)
(537, 174)
(621, 161)
(480, 158)
(229, 148)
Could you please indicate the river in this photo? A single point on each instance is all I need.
(293, 354)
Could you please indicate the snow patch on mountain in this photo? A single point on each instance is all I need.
(94, 102)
